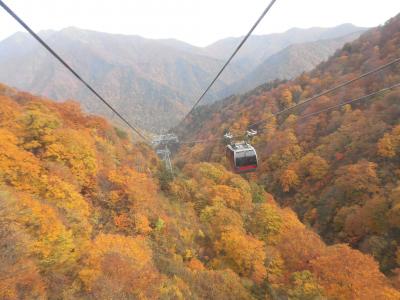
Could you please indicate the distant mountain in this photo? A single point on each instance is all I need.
(260, 47)
(153, 82)
(289, 62)
(182, 46)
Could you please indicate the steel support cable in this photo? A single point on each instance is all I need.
(229, 60)
(328, 91)
(393, 62)
(382, 91)
(206, 141)
(200, 141)
(48, 48)
(323, 93)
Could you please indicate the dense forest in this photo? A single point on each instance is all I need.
(340, 169)
(87, 214)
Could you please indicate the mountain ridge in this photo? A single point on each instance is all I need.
(153, 82)
(289, 63)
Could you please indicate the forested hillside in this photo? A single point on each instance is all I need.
(86, 214)
(339, 170)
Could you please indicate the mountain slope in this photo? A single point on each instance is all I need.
(152, 81)
(339, 170)
(83, 217)
(260, 47)
(289, 63)
(141, 77)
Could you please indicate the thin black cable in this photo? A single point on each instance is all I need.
(328, 91)
(382, 91)
(200, 141)
(48, 48)
(229, 60)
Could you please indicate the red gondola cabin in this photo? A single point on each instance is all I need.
(242, 157)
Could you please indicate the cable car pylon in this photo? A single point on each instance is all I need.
(161, 143)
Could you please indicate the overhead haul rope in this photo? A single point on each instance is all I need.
(359, 99)
(365, 97)
(228, 61)
(331, 90)
(48, 48)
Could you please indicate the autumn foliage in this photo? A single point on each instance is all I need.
(83, 216)
(86, 213)
(339, 169)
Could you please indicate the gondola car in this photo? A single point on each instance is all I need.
(242, 157)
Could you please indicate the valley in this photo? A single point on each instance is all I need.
(153, 81)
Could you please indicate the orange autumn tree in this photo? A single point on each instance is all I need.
(243, 253)
(389, 144)
(39, 124)
(289, 180)
(18, 168)
(20, 275)
(265, 222)
(342, 267)
(119, 265)
(75, 149)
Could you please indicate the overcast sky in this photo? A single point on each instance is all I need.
(198, 22)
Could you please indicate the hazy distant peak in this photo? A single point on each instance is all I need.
(260, 47)
(180, 45)
(348, 25)
(46, 33)
(228, 39)
(77, 31)
(321, 33)
(17, 37)
(72, 28)
(144, 76)
(343, 25)
(19, 34)
(16, 44)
